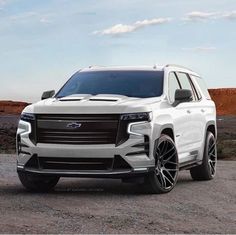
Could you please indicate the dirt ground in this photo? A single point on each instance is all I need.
(108, 206)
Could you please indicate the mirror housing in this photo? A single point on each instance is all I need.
(47, 94)
(182, 95)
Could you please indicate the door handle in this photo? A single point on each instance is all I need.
(188, 111)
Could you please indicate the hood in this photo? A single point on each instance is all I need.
(83, 104)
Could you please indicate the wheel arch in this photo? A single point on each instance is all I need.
(169, 131)
(211, 126)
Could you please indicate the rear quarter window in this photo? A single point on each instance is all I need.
(202, 85)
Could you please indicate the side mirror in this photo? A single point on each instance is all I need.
(182, 95)
(47, 94)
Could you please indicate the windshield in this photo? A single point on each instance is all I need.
(142, 84)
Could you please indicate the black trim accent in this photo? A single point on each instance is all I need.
(138, 153)
(24, 152)
(64, 100)
(119, 163)
(122, 134)
(106, 100)
(19, 146)
(23, 145)
(141, 145)
(145, 146)
(189, 164)
(116, 163)
(175, 73)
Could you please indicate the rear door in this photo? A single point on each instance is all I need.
(204, 106)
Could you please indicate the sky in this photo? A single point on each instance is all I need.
(42, 43)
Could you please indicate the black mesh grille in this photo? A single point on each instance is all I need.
(75, 163)
(77, 129)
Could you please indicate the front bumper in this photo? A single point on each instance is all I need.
(129, 151)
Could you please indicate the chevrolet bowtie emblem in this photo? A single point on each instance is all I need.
(74, 125)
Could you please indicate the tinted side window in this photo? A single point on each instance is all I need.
(173, 86)
(202, 86)
(185, 83)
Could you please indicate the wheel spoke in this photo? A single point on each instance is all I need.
(158, 152)
(211, 147)
(161, 148)
(167, 160)
(212, 167)
(170, 162)
(171, 183)
(171, 177)
(167, 169)
(169, 151)
(212, 156)
(162, 180)
(212, 152)
(164, 147)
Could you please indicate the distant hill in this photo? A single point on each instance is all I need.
(225, 99)
(12, 107)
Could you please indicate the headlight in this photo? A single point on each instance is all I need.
(27, 117)
(137, 117)
(30, 119)
(125, 121)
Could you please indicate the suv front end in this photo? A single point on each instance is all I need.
(88, 145)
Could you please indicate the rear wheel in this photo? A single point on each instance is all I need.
(207, 170)
(164, 178)
(38, 183)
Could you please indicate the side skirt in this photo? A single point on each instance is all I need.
(189, 164)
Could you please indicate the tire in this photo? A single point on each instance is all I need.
(164, 178)
(207, 170)
(37, 183)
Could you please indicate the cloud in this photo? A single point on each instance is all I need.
(45, 20)
(229, 15)
(197, 15)
(119, 29)
(203, 16)
(3, 2)
(23, 16)
(200, 49)
(31, 15)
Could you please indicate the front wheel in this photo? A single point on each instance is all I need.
(164, 178)
(207, 170)
(37, 183)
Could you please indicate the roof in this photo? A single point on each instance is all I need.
(122, 68)
(139, 68)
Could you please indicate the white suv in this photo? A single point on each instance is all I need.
(120, 122)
